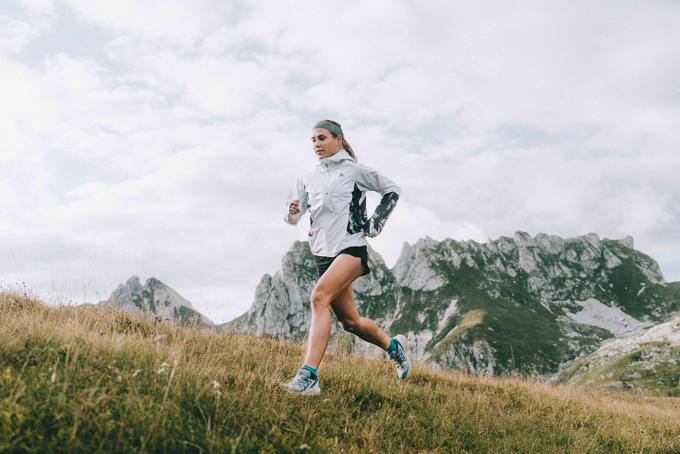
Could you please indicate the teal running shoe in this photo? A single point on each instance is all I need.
(400, 357)
(303, 383)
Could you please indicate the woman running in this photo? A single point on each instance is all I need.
(334, 194)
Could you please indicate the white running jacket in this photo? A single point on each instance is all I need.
(334, 195)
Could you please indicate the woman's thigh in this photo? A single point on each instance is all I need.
(340, 275)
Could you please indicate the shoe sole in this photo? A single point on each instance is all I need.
(313, 391)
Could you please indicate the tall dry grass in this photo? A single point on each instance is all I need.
(83, 379)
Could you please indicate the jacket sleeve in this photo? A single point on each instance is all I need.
(297, 192)
(369, 179)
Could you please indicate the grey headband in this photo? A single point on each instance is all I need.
(325, 124)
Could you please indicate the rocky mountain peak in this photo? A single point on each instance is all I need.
(627, 241)
(125, 292)
(544, 255)
(156, 299)
(414, 268)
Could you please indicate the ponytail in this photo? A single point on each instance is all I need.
(345, 145)
(348, 148)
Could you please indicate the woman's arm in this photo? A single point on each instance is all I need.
(372, 180)
(296, 203)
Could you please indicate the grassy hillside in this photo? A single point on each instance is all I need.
(87, 380)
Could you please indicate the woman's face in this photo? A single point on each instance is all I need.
(325, 145)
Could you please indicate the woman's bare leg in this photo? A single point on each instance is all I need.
(345, 309)
(344, 269)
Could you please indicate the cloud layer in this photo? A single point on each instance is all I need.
(159, 138)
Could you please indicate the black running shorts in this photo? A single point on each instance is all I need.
(322, 263)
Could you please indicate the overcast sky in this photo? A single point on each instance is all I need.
(159, 138)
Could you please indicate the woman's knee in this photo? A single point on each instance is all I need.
(320, 299)
(350, 325)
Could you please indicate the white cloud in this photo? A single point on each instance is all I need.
(40, 7)
(170, 152)
(176, 21)
(15, 34)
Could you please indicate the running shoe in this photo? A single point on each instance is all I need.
(399, 356)
(303, 383)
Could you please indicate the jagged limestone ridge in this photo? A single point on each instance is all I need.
(524, 303)
(156, 299)
(536, 294)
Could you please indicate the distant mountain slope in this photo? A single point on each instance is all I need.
(156, 300)
(526, 304)
(648, 362)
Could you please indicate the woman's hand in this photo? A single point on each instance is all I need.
(294, 207)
